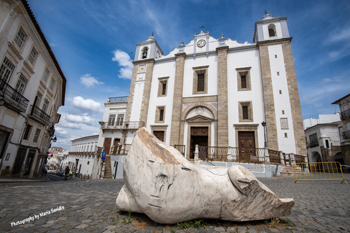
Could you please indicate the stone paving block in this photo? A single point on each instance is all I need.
(274, 230)
(242, 229)
(231, 229)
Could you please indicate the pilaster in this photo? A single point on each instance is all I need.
(222, 128)
(269, 106)
(299, 134)
(177, 100)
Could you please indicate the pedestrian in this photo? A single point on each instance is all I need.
(66, 172)
(44, 171)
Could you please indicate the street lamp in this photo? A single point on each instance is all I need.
(264, 125)
(54, 139)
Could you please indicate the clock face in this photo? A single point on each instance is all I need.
(201, 43)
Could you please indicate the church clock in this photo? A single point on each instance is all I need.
(201, 43)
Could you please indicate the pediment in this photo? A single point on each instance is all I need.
(199, 118)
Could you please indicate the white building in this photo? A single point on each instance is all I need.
(32, 88)
(82, 157)
(344, 127)
(218, 94)
(322, 137)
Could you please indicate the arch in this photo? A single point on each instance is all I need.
(195, 105)
(144, 52)
(272, 30)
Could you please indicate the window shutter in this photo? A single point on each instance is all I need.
(200, 84)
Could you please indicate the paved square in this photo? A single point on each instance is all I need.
(89, 206)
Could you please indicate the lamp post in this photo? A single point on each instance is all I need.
(264, 125)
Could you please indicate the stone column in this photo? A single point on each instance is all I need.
(267, 156)
(269, 106)
(177, 100)
(298, 128)
(146, 91)
(196, 154)
(282, 158)
(222, 128)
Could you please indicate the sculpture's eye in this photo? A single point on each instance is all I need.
(151, 161)
(186, 169)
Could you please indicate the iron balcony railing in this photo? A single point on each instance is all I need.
(346, 134)
(12, 98)
(122, 125)
(120, 149)
(120, 98)
(180, 148)
(313, 143)
(344, 115)
(237, 154)
(40, 115)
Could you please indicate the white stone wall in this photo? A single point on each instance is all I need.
(282, 101)
(240, 59)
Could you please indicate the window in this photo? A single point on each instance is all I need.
(21, 84)
(243, 79)
(285, 135)
(6, 70)
(36, 136)
(327, 143)
(162, 86)
(280, 92)
(278, 73)
(27, 132)
(160, 114)
(46, 75)
(200, 83)
(32, 56)
(275, 55)
(272, 30)
(120, 119)
(52, 83)
(200, 80)
(245, 112)
(45, 105)
(20, 38)
(283, 112)
(111, 120)
(88, 162)
(144, 52)
(38, 98)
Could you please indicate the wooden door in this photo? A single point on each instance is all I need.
(199, 135)
(159, 135)
(246, 143)
(107, 145)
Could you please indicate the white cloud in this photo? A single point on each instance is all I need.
(60, 131)
(89, 81)
(86, 104)
(124, 60)
(86, 119)
(339, 35)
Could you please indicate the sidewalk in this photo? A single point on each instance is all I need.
(4, 179)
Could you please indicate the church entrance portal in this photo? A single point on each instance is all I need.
(246, 146)
(199, 135)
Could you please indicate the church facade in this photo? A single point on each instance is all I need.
(217, 93)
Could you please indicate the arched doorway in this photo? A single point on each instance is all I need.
(317, 158)
(199, 122)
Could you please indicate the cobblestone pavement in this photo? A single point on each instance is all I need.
(89, 206)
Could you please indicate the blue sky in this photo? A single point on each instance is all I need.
(93, 41)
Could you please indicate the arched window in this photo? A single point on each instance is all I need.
(144, 52)
(272, 30)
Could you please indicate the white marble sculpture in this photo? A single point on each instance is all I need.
(169, 189)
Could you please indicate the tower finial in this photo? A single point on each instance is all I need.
(265, 12)
(152, 33)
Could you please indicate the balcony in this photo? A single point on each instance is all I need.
(122, 125)
(40, 116)
(117, 99)
(346, 134)
(345, 115)
(313, 143)
(11, 98)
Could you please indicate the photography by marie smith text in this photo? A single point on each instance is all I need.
(41, 214)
